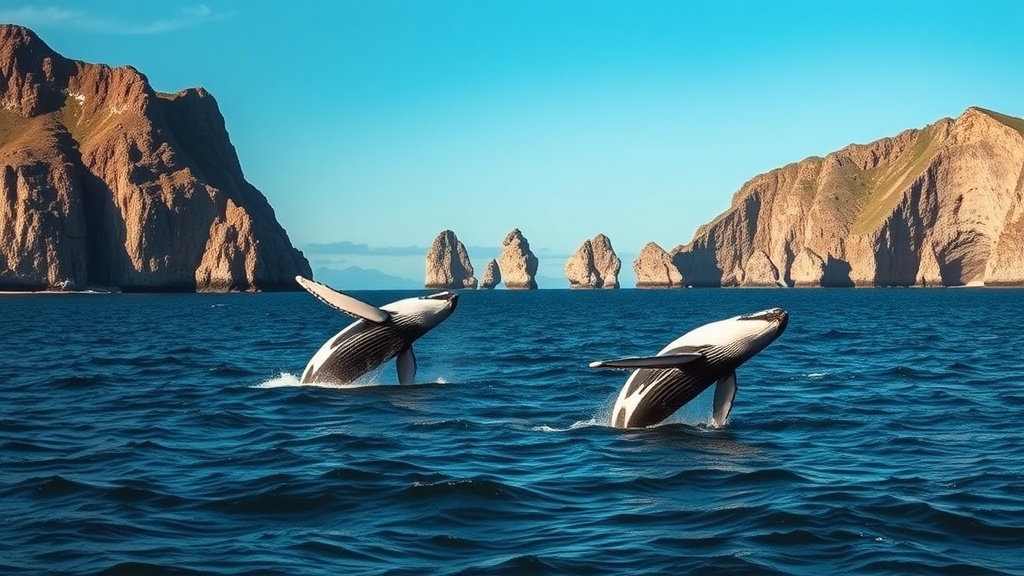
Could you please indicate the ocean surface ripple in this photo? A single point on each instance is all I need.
(168, 434)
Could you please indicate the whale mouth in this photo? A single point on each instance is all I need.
(777, 316)
(452, 298)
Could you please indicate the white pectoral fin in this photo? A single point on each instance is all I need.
(725, 393)
(666, 361)
(343, 302)
(406, 363)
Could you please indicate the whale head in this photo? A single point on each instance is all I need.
(735, 339)
(426, 312)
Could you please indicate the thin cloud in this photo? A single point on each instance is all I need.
(345, 248)
(353, 248)
(53, 17)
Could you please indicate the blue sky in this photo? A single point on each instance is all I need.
(381, 123)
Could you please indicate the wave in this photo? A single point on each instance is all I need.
(287, 379)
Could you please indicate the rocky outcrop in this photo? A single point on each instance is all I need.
(492, 275)
(104, 181)
(517, 263)
(654, 269)
(448, 264)
(943, 205)
(594, 265)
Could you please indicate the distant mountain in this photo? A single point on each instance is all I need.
(104, 181)
(356, 278)
(939, 206)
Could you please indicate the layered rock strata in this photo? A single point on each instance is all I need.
(492, 275)
(594, 265)
(939, 206)
(517, 263)
(654, 268)
(448, 264)
(104, 181)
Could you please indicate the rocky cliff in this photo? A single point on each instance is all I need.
(943, 205)
(492, 275)
(594, 265)
(448, 264)
(654, 268)
(103, 181)
(517, 263)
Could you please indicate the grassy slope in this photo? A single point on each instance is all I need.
(1011, 121)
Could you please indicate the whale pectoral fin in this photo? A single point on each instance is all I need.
(406, 366)
(665, 361)
(343, 302)
(725, 392)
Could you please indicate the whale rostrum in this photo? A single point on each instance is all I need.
(376, 336)
(661, 384)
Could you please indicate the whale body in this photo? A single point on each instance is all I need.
(377, 335)
(661, 384)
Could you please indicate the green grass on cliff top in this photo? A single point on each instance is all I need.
(1011, 121)
(886, 182)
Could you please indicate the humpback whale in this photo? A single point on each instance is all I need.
(661, 384)
(377, 335)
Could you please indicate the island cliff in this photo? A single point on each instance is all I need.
(594, 265)
(448, 264)
(103, 181)
(517, 263)
(939, 206)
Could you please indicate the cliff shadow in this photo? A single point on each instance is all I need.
(837, 274)
(699, 266)
(105, 232)
(105, 228)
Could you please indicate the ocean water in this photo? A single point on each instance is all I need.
(149, 434)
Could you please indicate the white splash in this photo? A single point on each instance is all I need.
(817, 375)
(282, 379)
(592, 421)
(285, 379)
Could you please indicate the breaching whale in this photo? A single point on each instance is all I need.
(660, 385)
(377, 335)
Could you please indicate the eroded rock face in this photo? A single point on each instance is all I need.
(106, 182)
(654, 269)
(594, 265)
(448, 264)
(943, 205)
(517, 263)
(492, 275)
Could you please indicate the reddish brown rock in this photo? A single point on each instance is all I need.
(517, 263)
(106, 182)
(448, 264)
(654, 269)
(943, 205)
(594, 265)
(492, 275)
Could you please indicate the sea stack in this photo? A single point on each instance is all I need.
(106, 182)
(937, 206)
(594, 265)
(654, 269)
(492, 275)
(517, 263)
(448, 264)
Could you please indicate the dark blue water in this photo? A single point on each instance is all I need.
(882, 433)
